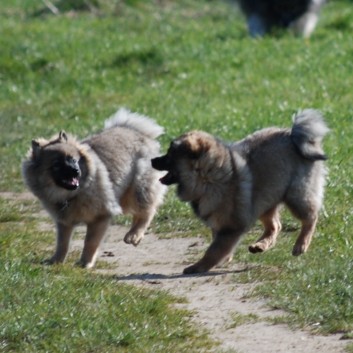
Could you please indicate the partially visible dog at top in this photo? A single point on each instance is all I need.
(262, 16)
(231, 185)
(89, 181)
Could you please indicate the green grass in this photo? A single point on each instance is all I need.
(190, 65)
(239, 319)
(60, 311)
(66, 309)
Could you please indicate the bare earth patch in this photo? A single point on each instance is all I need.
(218, 302)
(215, 298)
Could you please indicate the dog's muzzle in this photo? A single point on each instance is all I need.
(67, 173)
(164, 164)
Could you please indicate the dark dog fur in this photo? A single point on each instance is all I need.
(264, 15)
(230, 186)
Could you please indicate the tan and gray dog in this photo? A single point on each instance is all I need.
(90, 181)
(230, 186)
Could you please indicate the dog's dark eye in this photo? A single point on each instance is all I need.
(69, 159)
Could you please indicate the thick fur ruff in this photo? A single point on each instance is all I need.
(230, 186)
(91, 180)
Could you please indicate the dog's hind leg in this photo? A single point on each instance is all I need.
(307, 212)
(272, 224)
(140, 223)
(221, 248)
(305, 236)
(95, 233)
(228, 259)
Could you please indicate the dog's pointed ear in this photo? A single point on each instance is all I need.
(62, 136)
(175, 144)
(198, 143)
(36, 147)
(185, 148)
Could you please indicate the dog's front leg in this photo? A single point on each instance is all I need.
(140, 223)
(63, 237)
(95, 233)
(222, 247)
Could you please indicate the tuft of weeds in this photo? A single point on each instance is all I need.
(239, 319)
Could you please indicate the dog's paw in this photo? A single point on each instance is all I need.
(51, 261)
(262, 245)
(47, 262)
(257, 247)
(85, 264)
(133, 238)
(190, 270)
(193, 269)
(299, 249)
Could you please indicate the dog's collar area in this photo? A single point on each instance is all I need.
(196, 208)
(63, 205)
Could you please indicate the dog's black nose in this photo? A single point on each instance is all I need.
(160, 163)
(72, 163)
(154, 162)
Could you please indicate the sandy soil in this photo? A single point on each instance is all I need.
(214, 298)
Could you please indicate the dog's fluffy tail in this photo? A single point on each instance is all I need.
(126, 118)
(309, 128)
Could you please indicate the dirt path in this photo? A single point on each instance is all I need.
(215, 298)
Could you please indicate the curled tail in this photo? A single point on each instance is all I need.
(309, 128)
(143, 124)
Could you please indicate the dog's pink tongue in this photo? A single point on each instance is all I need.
(75, 182)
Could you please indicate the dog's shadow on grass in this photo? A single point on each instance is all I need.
(155, 278)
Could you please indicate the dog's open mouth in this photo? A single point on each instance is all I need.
(67, 178)
(169, 178)
(163, 163)
(71, 183)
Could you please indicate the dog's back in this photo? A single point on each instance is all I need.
(278, 157)
(126, 133)
(305, 136)
(126, 147)
(124, 118)
(126, 138)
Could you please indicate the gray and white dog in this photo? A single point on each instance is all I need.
(231, 185)
(89, 181)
